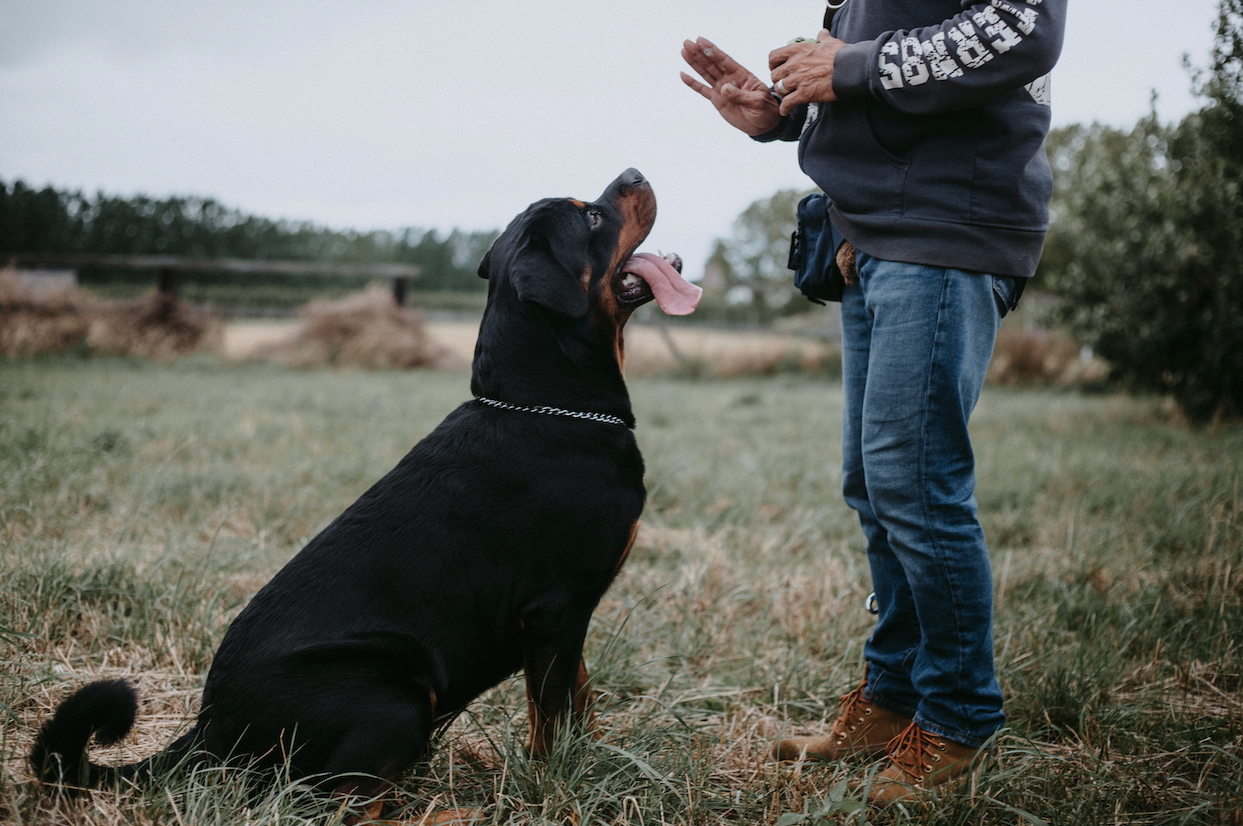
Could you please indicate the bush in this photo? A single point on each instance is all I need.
(1145, 233)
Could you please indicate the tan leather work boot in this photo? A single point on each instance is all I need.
(919, 761)
(861, 727)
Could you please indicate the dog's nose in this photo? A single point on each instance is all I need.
(629, 184)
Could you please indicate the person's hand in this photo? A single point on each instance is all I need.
(741, 97)
(803, 72)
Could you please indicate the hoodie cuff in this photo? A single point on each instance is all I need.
(789, 129)
(773, 134)
(851, 72)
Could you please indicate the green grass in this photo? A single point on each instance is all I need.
(142, 504)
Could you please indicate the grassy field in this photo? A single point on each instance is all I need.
(142, 504)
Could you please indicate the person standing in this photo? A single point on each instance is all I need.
(923, 121)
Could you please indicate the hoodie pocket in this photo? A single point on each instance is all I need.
(841, 154)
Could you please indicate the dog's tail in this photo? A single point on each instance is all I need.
(105, 710)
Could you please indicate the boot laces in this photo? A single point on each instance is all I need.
(915, 751)
(854, 709)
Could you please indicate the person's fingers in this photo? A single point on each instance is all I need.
(824, 35)
(778, 57)
(703, 66)
(691, 54)
(750, 100)
(706, 91)
(790, 101)
(717, 69)
(703, 50)
(725, 64)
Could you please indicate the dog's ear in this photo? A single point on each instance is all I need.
(549, 266)
(484, 265)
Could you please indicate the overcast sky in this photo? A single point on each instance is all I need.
(370, 114)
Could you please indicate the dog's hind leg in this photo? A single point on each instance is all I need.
(387, 732)
(431, 817)
(556, 681)
(390, 733)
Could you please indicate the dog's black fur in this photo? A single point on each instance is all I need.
(484, 551)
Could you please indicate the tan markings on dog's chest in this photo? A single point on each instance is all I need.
(619, 351)
(634, 534)
(607, 310)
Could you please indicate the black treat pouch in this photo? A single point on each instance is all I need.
(813, 251)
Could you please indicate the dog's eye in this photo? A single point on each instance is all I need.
(594, 218)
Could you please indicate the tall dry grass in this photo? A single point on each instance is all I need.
(142, 504)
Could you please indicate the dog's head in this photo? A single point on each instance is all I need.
(577, 258)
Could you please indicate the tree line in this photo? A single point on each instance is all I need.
(49, 220)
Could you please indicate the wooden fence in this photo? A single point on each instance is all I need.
(169, 269)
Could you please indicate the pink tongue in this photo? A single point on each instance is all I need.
(674, 294)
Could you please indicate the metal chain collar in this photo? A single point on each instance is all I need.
(555, 411)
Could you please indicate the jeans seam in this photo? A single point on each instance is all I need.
(933, 539)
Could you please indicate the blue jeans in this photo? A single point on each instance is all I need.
(917, 341)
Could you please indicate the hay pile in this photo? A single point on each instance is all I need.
(364, 330)
(39, 322)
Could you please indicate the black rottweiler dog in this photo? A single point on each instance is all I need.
(484, 551)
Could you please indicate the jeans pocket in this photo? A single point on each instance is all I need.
(1006, 292)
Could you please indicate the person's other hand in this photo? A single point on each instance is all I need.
(803, 72)
(741, 97)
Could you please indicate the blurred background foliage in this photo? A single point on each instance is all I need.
(1142, 256)
(51, 221)
(1145, 239)
(746, 279)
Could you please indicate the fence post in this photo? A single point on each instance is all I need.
(400, 285)
(167, 280)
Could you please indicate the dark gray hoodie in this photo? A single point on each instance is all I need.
(933, 153)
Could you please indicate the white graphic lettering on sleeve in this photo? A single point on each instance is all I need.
(813, 115)
(938, 56)
(1025, 19)
(994, 26)
(1040, 92)
(998, 28)
(971, 51)
(914, 70)
(890, 71)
